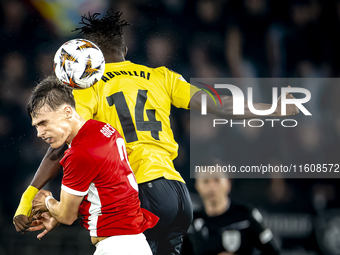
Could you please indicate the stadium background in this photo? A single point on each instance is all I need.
(202, 39)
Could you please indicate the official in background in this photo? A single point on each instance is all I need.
(225, 226)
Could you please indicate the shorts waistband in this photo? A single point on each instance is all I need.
(119, 237)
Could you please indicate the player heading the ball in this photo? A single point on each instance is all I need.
(98, 183)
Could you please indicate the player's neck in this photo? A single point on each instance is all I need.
(113, 58)
(77, 124)
(216, 208)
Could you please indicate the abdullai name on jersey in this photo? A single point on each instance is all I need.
(132, 73)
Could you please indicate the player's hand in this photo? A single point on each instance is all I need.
(43, 221)
(291, 109)
(22, 223)
(38, 203)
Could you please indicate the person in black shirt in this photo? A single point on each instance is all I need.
(226, 226)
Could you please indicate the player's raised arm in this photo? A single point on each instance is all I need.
(226, 109)
(48, 169)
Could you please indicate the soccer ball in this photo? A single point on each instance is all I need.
(79, 63)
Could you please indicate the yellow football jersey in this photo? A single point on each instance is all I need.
(136, 100)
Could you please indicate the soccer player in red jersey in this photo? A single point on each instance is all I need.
(98, 182)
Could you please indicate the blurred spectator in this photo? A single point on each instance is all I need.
(44, 64)
(160, 51)
(13, 32)
(306, 47)
(247, 40)
(203, 64)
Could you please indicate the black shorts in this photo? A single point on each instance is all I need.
(170, 201)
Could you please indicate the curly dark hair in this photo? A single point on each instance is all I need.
(106, 32)
(50, 92)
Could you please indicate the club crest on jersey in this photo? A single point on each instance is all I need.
(231, 240)
(107, 130)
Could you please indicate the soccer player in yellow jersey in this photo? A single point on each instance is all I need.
(136, 100)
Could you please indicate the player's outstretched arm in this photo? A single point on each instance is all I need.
(226, 109)
(48, 169)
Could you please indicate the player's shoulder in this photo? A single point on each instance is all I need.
(93, 133)
(166, 70)
(144, 67)
(154, 71)
(161, 71)
(92, 139)
(76, 155)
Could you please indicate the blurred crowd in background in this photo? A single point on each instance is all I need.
(201, 39)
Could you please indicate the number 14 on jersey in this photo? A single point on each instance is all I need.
(152, 125)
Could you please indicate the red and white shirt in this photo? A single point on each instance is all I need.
(96, 166)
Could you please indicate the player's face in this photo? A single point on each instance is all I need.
(52, 126)
(213, 189)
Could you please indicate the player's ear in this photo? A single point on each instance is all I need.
(125, 52)
(68, 111)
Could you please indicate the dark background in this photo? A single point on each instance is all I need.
(200, 39)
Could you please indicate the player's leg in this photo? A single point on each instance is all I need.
(172, 239)
(154, 198)
(124, 245)
(170, 201)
